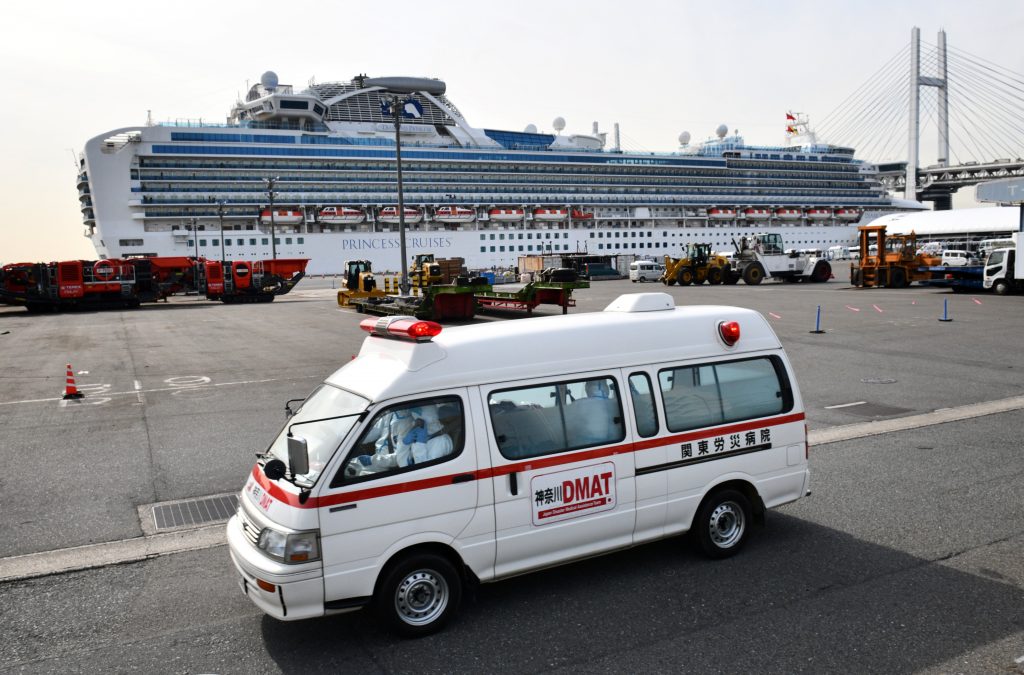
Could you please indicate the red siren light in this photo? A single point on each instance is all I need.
(402, 327)
(730, 332)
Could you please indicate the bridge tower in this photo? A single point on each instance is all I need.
(940, 82)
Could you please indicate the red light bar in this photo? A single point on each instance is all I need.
(404, 327)
(730, 332)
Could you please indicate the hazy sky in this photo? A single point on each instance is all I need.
(74, 70)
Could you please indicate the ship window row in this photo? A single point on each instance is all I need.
(240, 242)
(746, 169)
(529, 235)
(528, 248)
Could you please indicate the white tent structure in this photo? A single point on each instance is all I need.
(958, 224)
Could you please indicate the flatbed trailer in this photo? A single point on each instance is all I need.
(435, 303)
(959, 279)
(531, 295)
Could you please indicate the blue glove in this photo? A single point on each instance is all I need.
(418, 434)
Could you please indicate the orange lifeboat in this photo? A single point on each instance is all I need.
(341, 215)
(505, 215)
(282, 217)
(455, 214)
(787, 214)
(389, 214)
(721, 214)
(819, 214)
(848, 214)
(755, 213)
(545, 213)
(580, 214)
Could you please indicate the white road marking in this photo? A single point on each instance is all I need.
(45, 563)
(844, 405)
(151, 391)
(1019, 659)
(140, 395)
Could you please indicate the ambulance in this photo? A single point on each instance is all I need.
(441, 458)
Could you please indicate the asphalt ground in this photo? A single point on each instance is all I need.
(908, 557)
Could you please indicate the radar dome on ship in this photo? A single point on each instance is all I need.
(559, 123)
(722, 130)
(269, 80)
(684, 138)
(530, 129)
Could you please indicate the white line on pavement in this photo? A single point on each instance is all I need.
(845, 405)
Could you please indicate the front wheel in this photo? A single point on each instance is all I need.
(753, 274)
(1001, 287)
(418, 595)
(722, 524)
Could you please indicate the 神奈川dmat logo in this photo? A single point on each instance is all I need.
(571, 494)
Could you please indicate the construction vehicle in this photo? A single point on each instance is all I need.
(360, 282)
(697, 266)
(121, 284)
(1004, 269)
(892, 261)
(765, 255)
(427, 270)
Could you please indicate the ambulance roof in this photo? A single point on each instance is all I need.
(634, 330)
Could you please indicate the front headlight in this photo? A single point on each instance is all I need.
(298, 547)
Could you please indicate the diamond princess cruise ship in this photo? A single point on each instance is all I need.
(486, 195)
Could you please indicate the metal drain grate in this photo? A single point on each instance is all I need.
(194, 511)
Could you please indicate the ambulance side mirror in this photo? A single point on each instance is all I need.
(298, 455)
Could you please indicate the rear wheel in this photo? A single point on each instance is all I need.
(753, 274)
(722, 524)
(821, 272)
(418, 595)
(897, 278)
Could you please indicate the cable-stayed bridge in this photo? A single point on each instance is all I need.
(971, 108)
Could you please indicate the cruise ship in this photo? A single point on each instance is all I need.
(312, 173)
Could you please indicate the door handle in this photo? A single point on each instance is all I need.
(513, 483)
(343, 507)
(462, 478)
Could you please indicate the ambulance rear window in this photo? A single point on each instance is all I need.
(730, 391)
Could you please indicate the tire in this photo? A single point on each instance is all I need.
(897, 278)
(821, 272)
(714, 275)
(722, 524)
(1001, 287)
(753, 274)
(685, 276)
(731, 278)
(855, 277)
(418, 595)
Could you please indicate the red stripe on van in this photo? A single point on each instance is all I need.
(275, 491)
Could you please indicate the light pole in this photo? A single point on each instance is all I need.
(220, 216)
(273, 234)
(397, 91)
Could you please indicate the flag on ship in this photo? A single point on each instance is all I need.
(790, 129)
(790, 117)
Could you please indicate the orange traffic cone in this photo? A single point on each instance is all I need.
(70, 390)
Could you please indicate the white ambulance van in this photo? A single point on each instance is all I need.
(474, 453)
(645, 270)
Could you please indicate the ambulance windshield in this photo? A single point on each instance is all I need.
(324, 420)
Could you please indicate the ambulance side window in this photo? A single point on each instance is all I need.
(731, 391)
(545, 419)
(643, 404)
(405, 437)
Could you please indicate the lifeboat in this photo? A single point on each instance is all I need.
(787, 214)
(819, 214)
(580, 214)
(721, 214)
(505, 215)
(282, 217)
(389, 214)
(848, 214)
(455, 214)
(550, 214)
(756, 214)
(341, 215)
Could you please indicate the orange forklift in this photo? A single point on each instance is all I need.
(892, 261)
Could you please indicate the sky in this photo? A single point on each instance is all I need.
(75, 70)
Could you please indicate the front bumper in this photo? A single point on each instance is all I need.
(298, 589)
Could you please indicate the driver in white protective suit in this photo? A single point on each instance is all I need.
(427, 439)
(591, 420)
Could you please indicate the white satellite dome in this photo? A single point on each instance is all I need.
(530, 128)
(269, 80)
(684, 138)
(559, 123)
(722, 130)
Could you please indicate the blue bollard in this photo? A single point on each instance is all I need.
(945, 310)
(817, 323)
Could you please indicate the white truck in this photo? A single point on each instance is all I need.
(765, 255)
(1004, 269)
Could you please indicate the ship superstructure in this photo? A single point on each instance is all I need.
(489, 196)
